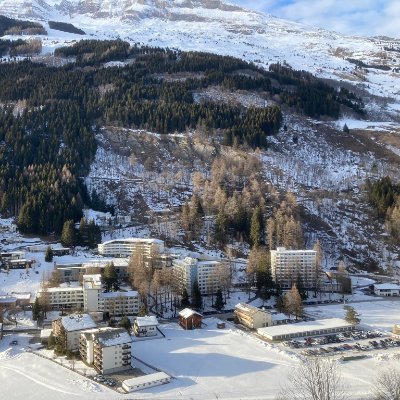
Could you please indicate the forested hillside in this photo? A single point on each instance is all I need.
(49, 115)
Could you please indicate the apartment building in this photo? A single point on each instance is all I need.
(90, 298)
(107, 349)
(125, 247)
(145, 326)
(115, 304)
(64, 297)
(289, 265)
(69, 328)
(188, 270)
(252, 317)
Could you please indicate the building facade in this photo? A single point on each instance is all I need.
(252, 317)
(387, 289)
(90, 298)
(287, 266)
(125, 247)
(107, 349)
(145, 326)
(69, 328)
(188, 270)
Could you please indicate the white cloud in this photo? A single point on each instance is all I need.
(360, 17)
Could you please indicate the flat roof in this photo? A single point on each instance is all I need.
(63, 289)
(387, 286)
(134, 240)
(302, 327)
(140, 380)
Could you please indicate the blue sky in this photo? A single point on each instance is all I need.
(359, 17)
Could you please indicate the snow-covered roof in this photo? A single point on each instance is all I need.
(302, 327)
(45, 333)
(148, 320)
(387, 286)
(279, 317)
(249, 309)
(77, 322)
(92, 281)
(134, 240)
(21, 295)
(7, 299)
(142, 380)
(113, 337)
(64, 289)
(188, 312)
(129, 293)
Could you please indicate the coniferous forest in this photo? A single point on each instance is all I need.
(49, 115)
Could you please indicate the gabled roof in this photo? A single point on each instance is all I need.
(148, 320)
(188, 312)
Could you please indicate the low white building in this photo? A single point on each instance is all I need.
(107, 349)
(387, 289)
(252, 317)
(306, 329)
(145, 326)
(145, 381)
(69, 328)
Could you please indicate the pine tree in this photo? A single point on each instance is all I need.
(48, 257)
(36, 310)
(110, 278)
(125, 323)
(301, 289)
(197, 301)
(68, 234)
(256, 227)
(352, 315)
(219, 301)
(185, 299)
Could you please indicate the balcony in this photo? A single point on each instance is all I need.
(126, 346)
(126, 358)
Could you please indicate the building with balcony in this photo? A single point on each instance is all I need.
(252, 317)
(287, 266)
(188, 270)
(125, 247)
(107, 349)
(145, 326)
(68, 329)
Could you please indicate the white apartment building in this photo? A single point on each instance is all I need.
(252, 317)
(145, 326)
(125, 247)
(114, 303)
(387, 289)
(64, 298)
(70, 327)
(90, 298)
(288, 265)
(107, 349)
(188, 269)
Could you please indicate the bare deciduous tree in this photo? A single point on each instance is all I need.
(315, 379)
(387, 385)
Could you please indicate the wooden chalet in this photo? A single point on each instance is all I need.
(190, 319)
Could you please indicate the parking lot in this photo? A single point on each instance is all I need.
(356, 341)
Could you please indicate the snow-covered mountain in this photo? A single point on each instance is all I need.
(214, 26)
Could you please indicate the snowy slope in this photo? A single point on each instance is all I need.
(210, 25)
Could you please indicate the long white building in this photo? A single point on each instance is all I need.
(188, 269)
(91, 298)
(125, 247)
(288, 265)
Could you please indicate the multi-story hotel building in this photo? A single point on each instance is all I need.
(188, 270)
(107, 349)
(125, 247)
(287, 266)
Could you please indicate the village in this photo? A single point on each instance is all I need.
(100, 316)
